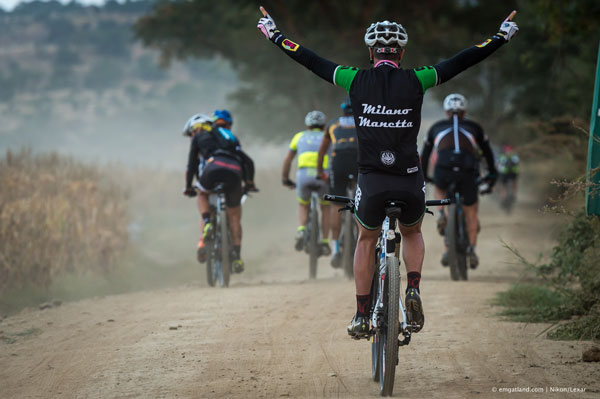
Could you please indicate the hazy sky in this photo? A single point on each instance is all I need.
(10, 4)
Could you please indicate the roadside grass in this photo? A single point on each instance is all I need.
(568, 289)
(531, 304)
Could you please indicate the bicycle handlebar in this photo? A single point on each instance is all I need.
(346, 200)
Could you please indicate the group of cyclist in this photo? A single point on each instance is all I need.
(375, 141)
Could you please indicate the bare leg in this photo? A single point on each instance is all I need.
(303, 214)
(234, 216)
(203, 207)
(325, 217)
(413, 247)
(364, 259)
(439, 194)
(471, 217)
(336, 221)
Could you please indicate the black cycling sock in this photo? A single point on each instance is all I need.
(363, 303)
(206, 217)
(238, 251)
(414, 278)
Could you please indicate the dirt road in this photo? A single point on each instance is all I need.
(274, 334)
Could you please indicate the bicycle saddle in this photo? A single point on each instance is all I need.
(394, 208)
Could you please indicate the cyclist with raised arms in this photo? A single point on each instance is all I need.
(458, 142)
(305, 145)
(216, 157)
(386, 102)
(343, 169)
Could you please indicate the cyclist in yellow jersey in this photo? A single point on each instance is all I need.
(305, 145)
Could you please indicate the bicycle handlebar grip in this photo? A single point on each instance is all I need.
(446, 201)
(337, 198)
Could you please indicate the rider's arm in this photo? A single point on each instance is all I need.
(248, 166)
(323, 148)
(426, 152)
(193, 162)
(302, 55)
(431, 76)
(287, 164)
(484, 144)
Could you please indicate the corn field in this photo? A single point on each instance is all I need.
(57, 215)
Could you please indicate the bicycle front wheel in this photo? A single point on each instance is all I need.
(390, 330)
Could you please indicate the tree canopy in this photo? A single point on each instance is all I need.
(547, 70)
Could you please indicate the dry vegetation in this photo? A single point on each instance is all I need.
(57, 215)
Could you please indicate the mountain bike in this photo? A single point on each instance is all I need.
(218, 260)
(508, 201)
(456, 236)
(387, 313)
(348, 234)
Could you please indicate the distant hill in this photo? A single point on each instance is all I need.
(72, 78)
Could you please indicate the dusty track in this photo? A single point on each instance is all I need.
(274, 334)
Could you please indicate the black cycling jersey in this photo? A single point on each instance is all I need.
(218, 141)
(386, 100)
(342, 133)
(457, 146)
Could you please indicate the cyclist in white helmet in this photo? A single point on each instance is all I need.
(386, 103)
(458, 142)
(305, 145)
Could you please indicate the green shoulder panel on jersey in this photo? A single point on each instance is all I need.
(427, 75)
(294, 142)
(343, 76)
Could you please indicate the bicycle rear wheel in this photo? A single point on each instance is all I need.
(313, 239)
(211, 275)
(452, 239)
(225, 249)
(389, 344)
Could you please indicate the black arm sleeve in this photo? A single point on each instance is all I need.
(426, 153)
(193, 162)
(320, 66)
(486, 149)
(248, 166)
(451, 67)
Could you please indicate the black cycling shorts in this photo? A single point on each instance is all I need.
(222, 169)
(343, 165)
(375, 189)
(466, 182)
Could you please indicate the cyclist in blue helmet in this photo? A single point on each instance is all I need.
(223, 118)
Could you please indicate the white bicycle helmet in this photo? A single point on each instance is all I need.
(386, 34)
(455, 102)
(315, 118)
(198, 121)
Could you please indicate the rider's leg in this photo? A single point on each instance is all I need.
(203, 207)
(439, 194)
(336, 221)
(471, 218)
(413, 247)
(234, 216)
(325, 220)
(303, 214)
(364, 259)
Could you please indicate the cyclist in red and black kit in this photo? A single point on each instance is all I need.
(386, 103)
(216, 157)
(458, 142)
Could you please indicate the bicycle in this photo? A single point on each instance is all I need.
(348, 234)
(456, 235)
(218, 261)
(385, 311)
